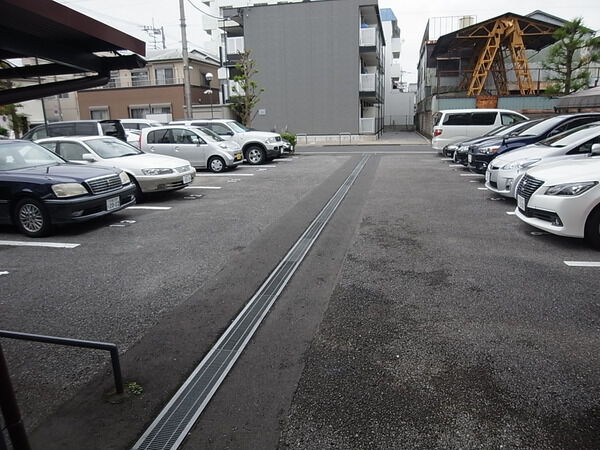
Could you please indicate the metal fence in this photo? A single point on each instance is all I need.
(398, 122)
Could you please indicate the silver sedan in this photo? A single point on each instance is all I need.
(150, 172)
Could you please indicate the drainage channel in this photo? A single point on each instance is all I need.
(171, 426)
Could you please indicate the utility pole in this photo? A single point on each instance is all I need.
(187, 91)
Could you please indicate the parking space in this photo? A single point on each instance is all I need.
(425, 289)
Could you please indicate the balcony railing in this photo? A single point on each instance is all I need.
(367, 82)
(368, 37)
(117, 83)
(235, 45)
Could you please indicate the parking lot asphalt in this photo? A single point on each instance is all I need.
(425, 316)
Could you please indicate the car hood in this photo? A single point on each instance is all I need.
(144, 161)
(532, 151)
(65, 173)
(563, 171)
(260, 134)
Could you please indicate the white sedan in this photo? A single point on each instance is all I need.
(563, 198)
(504, 172)
(150, 172)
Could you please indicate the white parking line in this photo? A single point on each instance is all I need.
(447, 159)
(511, 213)
(284, 160)
(473, 181)
(582, 263)
(156, 208)
(471, 175)
(269, 167)
(225, 175)
(455, 165)
(203, 187)
(4, 272)
(482, 189)
(38, 244)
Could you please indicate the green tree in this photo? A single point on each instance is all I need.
(246, 91)
(570, 57)
(19, 122)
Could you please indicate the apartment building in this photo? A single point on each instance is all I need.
(321, 65)
(155, 91)
(399, 105)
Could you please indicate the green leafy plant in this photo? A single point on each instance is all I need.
(290, 137)
(134, 388)
(3, 131)
(246, 91)
(570, 56)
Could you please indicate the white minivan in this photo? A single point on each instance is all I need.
(455, 125)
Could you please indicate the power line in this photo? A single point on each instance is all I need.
(204, 12)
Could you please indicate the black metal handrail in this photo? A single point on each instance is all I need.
(112, 348)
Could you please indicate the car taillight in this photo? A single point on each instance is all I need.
(437, 132)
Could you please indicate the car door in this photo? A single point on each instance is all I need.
(583, 150)
(159, 141)
(190, 146)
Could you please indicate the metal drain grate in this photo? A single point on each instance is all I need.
(171, 426)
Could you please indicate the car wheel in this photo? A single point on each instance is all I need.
(31, 218)
(255, 155)
(216, 164)
(592, 228)
(139, 195)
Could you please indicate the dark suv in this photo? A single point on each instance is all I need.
(78, 128)
(481, 154)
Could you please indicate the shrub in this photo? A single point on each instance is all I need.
(290, 137)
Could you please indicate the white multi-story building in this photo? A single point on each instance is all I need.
(399, 102)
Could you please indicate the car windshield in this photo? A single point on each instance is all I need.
(542, 127)
(210, 134)
(496, 131)
(112, 148)
(20, 155)
(572, 136)
(238, 127)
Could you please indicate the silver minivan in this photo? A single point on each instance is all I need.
(191, 144)
(456, 125)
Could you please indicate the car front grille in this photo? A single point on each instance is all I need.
(528, 186)
(104, 184)
(182, 169)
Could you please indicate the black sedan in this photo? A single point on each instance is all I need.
(39, 189)
(480, 155)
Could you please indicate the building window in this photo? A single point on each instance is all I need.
(65, 95)
(138, 111)
(396, 83)
(139, 78)
(115, 80)
(99, 113)
(164, 75)
(395, 57)
(160, 109)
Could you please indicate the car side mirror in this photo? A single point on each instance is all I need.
(595, 150)
(88, 157)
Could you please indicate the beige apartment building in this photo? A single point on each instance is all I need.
(156, 89)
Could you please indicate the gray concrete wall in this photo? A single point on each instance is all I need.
(308, 58)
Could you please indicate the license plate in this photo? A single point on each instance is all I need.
(521, 202)
(470, 158)
(187, 179)
(113, 203)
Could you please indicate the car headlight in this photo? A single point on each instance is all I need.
(124, 178)
(451, 148)
(571, 188)
(225, 146)
(522, 164)
(68, 189)
(271, 140)
(157, 171)
(489, 150)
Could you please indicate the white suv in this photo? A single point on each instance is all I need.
(258, 146)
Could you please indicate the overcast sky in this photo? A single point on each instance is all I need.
(131, 15)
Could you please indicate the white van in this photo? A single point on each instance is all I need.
(455, 125)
